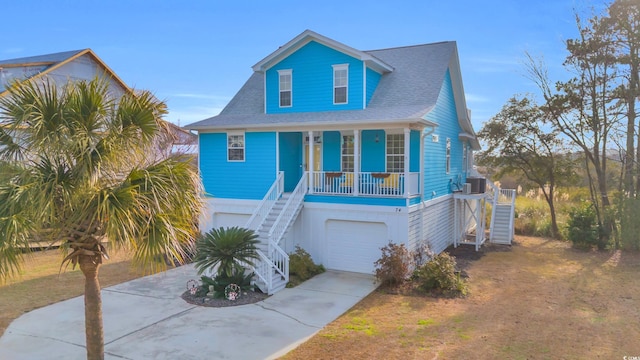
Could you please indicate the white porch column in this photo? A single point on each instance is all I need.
(356, 162)
(407, 151)
(311, 163)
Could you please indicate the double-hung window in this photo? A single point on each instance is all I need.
(395, 153)
(235, 146)
(340, 83)
(347, 153)
(285, 86)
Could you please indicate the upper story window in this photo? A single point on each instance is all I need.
(284, 77)
(448, 155)
(347, 153)
(340, 83)
(235, 146)
(395, 153)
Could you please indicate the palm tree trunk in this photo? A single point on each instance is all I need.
(94, 331)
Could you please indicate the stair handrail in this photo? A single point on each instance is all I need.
(291, 207)
(262, 210)
(262, 269)
(279, 260)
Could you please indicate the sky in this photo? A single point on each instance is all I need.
(197, 54)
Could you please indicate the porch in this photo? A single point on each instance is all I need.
(364, 183)
(354, 162)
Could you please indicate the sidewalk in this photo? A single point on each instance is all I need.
(146, 319)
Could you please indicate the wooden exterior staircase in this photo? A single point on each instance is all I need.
(271, 220)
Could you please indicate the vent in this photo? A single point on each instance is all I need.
(435, 138)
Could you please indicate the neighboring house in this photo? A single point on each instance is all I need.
(340, 151)
(84, 65)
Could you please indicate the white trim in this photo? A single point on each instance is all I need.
(447, 156)
(277, 153)
(340, 67)
(364, 86)
(285, 72)
(244, 145)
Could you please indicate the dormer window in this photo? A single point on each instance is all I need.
(340, 83)
(284, 77)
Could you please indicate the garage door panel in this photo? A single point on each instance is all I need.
(354, 245)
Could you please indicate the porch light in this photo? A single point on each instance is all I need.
(377, 138)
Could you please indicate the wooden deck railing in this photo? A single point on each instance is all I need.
(365, 184)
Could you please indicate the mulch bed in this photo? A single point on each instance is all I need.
(248, 297)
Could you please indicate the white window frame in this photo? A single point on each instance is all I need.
(281, 73)
(448, 156)
(465, 162)
(344, 138)
(336, 68)
(399, 157)
(230, 136)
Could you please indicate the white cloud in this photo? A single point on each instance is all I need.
(188, 115)
(12, 50)
(476, 98)
(202, 96)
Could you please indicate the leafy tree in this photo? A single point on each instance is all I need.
(518, 142)
(74, 170)
(227, 248)
(622, 26)
(583, 108)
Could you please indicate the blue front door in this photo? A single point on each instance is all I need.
(291, 159)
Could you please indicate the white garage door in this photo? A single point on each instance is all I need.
(230, 219)
(354, 246)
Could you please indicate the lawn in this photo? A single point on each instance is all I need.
(41, 283)
(539, 299)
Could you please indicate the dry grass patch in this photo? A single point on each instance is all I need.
(539, 299)
(41, 284)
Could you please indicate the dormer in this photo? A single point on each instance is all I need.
(315, 73)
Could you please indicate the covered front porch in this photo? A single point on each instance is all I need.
(353, 162)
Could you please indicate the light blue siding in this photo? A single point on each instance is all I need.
(446, 116)
(373, 153)
(357, 200)
(312, 80)
(373, 78)
(249, 179)
(331, 160)
(291, 158)
(414, 152)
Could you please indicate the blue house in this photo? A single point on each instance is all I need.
(340, 151)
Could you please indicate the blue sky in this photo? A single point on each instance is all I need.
(197, 54)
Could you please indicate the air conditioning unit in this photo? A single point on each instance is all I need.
(466, 189)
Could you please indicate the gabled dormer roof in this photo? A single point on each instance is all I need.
(307, 36)
(407, 94)
(51, 62)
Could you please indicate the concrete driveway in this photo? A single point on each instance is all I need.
(146, 319)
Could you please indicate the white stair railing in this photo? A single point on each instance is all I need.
(280, 261)
(262, 269)
(501, 197)
(264, 207)
(288, 212)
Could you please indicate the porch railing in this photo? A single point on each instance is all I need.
(366, 183)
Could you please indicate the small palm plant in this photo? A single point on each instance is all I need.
(228, 248)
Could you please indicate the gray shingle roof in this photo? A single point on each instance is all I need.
(405, 94)
(53, 58)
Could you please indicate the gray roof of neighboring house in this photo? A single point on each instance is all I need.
(53, 58)
(409, 92)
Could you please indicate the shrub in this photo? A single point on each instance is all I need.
(221, 281)
(582, 229)
(302, 267)
(393, 267)
(440, 274)
(228, 249)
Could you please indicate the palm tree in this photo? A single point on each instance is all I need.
(75, 170)
(228, 248)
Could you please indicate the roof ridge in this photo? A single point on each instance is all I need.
(411, 46)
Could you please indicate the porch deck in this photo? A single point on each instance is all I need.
(376, 184)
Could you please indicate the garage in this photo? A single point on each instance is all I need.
(354, 245)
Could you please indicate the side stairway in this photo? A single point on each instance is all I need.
(502, 216)
(271, 220)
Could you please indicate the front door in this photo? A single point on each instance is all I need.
(291, 159)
